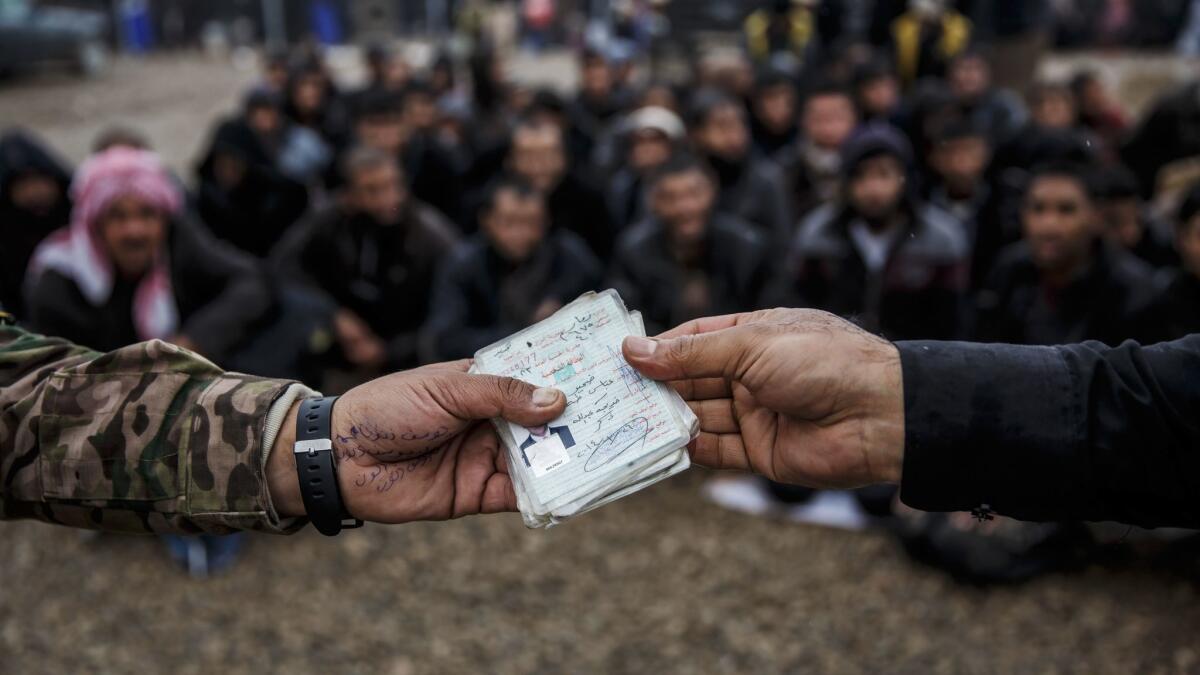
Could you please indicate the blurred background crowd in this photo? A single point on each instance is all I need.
(907, 164)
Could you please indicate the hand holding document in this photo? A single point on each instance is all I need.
(620, 432)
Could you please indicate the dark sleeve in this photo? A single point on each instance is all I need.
(49, 310)
(946, 306)
(304, 255)
(1143, 149)
(780, 222)
(763, 273)
(1078, 432)
(986, 317)
(622, 277)
(579, 270)
(238, 290)
(404, 348)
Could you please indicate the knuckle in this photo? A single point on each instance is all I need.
(682, 349)
(511, 388)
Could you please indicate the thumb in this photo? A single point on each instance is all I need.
(715, 354)
(478, 397)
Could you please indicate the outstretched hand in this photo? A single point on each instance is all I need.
(415, 445)
(797, 395)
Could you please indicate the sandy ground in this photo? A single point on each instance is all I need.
(661, 582)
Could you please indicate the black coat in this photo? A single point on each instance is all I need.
(481, 298)
(20, 230)
(384, 274)
(1176, 307)
(221, 293)
(1109, 303)
(918, 294)
(432, 176)
(1078, 432)
(577, 206)
(650, 279)
(255, 214)
(754, 191)
(989, 226)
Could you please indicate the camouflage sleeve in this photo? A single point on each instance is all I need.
(148, 438)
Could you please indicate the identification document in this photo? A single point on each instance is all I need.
(620, 431)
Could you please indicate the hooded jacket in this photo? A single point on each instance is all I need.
(20, 229)
(917, 292)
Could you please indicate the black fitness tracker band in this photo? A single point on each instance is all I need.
(316, 467)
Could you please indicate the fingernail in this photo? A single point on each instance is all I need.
(640, 346)
(544, 397)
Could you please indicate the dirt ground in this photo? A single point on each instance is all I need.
(661, 582)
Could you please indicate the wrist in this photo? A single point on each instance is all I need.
(885, 419)
(340, 424)
(283, 485)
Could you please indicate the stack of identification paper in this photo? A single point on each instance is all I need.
(620, 432)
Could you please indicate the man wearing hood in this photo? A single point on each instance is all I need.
(242, 194)
(877, 254)
(33, 203)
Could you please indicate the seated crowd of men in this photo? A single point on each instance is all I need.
(423, 217)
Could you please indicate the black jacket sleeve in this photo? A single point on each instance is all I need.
(1078, 432)
(230, 290)
(449, 332)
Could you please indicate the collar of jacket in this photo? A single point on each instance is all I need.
(708, 255)
(498, 266)
(1098, 273)
(846, 215)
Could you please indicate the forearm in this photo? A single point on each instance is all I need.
(148, 438)
(1045, 433)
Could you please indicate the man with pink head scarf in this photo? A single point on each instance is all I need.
(129, 267)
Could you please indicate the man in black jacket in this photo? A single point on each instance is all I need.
(241, 192)
(878, 254)
(685, 260)
(1078, 432)
(1062, 284)
(33, 203)
(513, 273)
(372, 254)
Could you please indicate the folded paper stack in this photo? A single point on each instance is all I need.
(620, 432)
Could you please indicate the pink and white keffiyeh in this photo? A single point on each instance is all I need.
(77, 252)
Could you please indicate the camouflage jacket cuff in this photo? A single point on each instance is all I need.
(148, 438)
